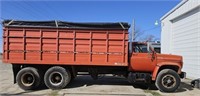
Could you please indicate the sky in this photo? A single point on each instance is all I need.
(144, 12)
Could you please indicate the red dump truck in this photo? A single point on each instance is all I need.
(55, 52)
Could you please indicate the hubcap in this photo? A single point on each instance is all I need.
(27, 79)
(168, 81)
(55, 78)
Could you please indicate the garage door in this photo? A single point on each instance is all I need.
(186, 41)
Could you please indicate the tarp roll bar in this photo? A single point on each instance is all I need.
(64, 24)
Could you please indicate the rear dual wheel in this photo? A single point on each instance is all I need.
(57, 77)
(28, 78)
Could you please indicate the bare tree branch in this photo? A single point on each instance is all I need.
(137, 33)
(148, 38)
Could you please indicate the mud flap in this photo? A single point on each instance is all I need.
(16, 69)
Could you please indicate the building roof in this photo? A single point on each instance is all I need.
(174, 9)
(64, 24)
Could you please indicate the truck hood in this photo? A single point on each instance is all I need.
(169, 58)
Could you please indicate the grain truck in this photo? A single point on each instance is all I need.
(55, 52)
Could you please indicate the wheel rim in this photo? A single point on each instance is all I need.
(27, 79)
(168, 81)
(55, 78)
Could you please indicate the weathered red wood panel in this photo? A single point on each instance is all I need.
(65, 46)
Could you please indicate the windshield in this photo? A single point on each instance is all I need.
(141, 48)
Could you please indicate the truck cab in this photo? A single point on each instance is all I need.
(164, 69)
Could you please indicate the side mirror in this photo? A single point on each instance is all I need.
(153, 55)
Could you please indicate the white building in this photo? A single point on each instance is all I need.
(181, 35)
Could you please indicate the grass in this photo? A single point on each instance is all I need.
(152, 92)
(54, 93)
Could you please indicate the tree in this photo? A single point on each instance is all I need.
(148, 38)
(137, 34)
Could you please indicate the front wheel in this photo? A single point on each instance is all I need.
(167, 80)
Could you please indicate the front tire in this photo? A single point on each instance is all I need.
(167, 80)
(28, 78)
(57, 77)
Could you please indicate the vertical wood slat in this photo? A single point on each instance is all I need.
(123, 55)
(90, 46)
(7, 43)
(74, 46)
(24, 44)
(41, 44)
(57, 45)
(3, 43)
(107, 37)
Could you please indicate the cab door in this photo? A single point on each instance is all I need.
(142, 60)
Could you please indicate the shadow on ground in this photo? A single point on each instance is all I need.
(81, 81)
(106, 80)
(184, 87)
(110, 80)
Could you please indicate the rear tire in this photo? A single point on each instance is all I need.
(57, 77)
(167, 80)
(28, 78)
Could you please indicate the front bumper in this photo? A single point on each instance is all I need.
(182, 75)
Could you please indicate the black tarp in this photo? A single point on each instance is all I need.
(63, 24)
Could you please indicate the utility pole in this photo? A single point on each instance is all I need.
(133, 30)
(132, 37)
